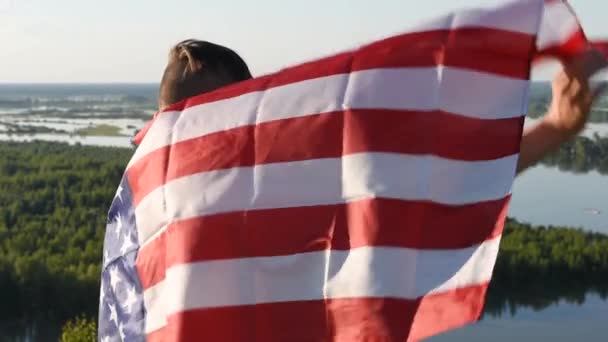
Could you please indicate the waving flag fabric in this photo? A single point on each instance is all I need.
(359, 197)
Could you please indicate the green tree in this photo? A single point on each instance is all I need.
(80, 329)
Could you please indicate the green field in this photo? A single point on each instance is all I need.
(100, 130)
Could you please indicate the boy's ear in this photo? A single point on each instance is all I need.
(193, 65)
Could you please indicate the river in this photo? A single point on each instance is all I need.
(564, 322)
(547, 196)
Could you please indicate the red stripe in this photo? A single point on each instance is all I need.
(347, 319)
(329, 135)
(448, 310)
(370, 222)
(483, 49)
(574, 46)
(601, 46)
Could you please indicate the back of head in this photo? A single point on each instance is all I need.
(196, 67)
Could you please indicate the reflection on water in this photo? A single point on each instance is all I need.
(507, 298)
(42, 331)
(563, 322)
(548, 196)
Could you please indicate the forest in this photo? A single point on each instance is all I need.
(53, 200)
(581, 155)
(52, 203)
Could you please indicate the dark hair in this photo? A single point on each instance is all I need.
(216, 56)
(189, 60)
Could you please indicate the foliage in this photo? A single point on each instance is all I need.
(52, 200)
(581, 155)
(100, 130)
(80, 329)
(537, 266)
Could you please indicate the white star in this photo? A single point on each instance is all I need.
(121, 331)
(119, 192)
(118, 225)
(126, 245)
(131, 299)
(113, 314)
(114, 277)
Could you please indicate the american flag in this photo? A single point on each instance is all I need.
(356, 197)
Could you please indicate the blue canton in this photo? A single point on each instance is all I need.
(121, 305)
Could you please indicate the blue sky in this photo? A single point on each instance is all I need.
(128, 40)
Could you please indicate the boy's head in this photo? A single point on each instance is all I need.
(197, 67)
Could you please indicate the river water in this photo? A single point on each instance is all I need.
(564, 322)
(548, 196)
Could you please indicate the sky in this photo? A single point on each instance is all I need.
(44, 41)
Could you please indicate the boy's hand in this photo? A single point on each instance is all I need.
(569, 110)
(572, 96)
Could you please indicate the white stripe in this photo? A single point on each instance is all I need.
(516, 16)
(362, 272)
(485, 96)
(558, 25)
(161, 126)
(438, 88)
(325, 181)
(155, 305)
